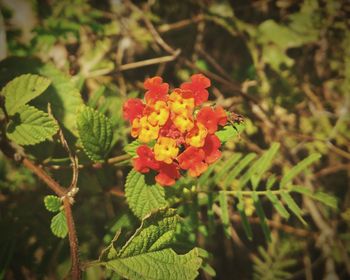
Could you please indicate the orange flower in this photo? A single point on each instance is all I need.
(167, 175)
(143, 130)
(196, 136)
(192, 159)
(157, 90)
(198, 86)
(210, 118)
(132, 109)
(146, 160)
(211, 148)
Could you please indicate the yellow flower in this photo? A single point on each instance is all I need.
(196, 136)
(180, 105)
(165, 149)
(142, 129)
(158, 113)
(183, 122)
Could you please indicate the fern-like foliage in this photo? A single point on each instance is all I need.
(246, 180)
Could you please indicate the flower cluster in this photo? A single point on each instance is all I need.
(184, 135)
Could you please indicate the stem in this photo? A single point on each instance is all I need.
(73, 240)
(118, 159)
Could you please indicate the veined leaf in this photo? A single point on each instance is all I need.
(52, 203)
(132, 147)
(262, 217)
(59, 225)
(246, 225)
(31, 126)
(21, 90)
(229, 132)
(95, 132)
(141, 196)
(299, 168)
(325, 198)
(277, 204)
(147, 254)
(293, 206)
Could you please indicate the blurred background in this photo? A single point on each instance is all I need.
(283, 65)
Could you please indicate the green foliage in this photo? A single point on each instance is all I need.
(95, 132)
(31, 126)
(148, 254)
(143, 196)
(59, 225)
(230, 132)
(131, 148)
(21, 90)
(52, 203)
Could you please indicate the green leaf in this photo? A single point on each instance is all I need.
(143, 197)
(229, 132)
(325, 198)
(224, 212)
(52, 203)
(21, 90)
(246, 225)
(301, 166)
(262, 217)
(293, 206)
(62, 94)
(277, 204)
(263, 164)
(147, 254)
(227, 166)
(95, 132)
(59, 225)
(31, 126)
(131, 148)
(232, 174)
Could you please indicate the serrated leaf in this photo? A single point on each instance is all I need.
(31, 126)
(95, 132)
(325, 198)
(277, 204)
(299, 168)
(21, 90)
(229, 132)
(131, 148)
(245, 223)
(52, 203)
(293, 206)
(147, 254)
(261, 214)
(62, 94)
(59, 225)
(143, 197)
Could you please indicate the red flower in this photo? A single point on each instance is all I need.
(170, 130)
(210, 118)
(157, 90)
(146, 160)
(221, 115)
(211, 148)
(198, 86)
(132, 109)
(192, 159)
(168, 173)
